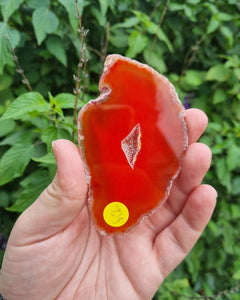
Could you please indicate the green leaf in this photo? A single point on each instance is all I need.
(211, 7)
(219, 96)
(36, 3)
(44, 22)
(4, 199)
(176, 6)
(194, 78)
(233, 157)
(56, 47)
(218, 73)
(5, 81)
(15, 160)
(142, 17)
(236, 186)
(178, 284)
(48, 135)
(163, 37)
(70, 7)
(194, 2)
(40, 150)
(65, 100)
(224, 17)
(46, 159)
(53, 133)
(215, 230)
(6, 126)
(236, 72)
(223, 174)
(32, 185)
(11, 139)
(103, 6)
(213, 25)
(137, 42)
(189, 12)
(9, 7)
(101, 19)
(155, 60)
(235, 212)
(154, 29)
(118, 38)
(236, 275)
(128, 23)
(228, 33)
(5, 54)
(54, 107)
(24, 104)
(233, 61)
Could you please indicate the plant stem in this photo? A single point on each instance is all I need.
(155, 9)
(82, 63)
(95, 51)
(159, 25)
(190, 55)
(105, 47)
(19, 68)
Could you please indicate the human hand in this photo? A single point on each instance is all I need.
(55, 251)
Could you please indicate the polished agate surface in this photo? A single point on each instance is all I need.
(133, 138)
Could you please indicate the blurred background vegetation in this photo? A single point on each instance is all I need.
(195, 43)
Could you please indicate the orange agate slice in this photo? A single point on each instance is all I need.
(133, 138)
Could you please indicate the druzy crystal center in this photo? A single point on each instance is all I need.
(131, 145)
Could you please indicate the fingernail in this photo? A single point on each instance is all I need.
(54, 147)
(54, 144)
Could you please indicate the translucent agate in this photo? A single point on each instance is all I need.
(133, 138)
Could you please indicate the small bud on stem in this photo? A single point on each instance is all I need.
(82, 67)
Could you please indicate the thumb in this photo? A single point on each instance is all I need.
(60, 203)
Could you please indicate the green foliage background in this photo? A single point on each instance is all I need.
(195, 43)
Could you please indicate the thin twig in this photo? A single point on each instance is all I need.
(134, 4)
(190, 55)
(19, 68)
(143, 31)
(159, 25)
(95, 51)
(82, 63)
(155, 9)
(85, 75)
(105, 47)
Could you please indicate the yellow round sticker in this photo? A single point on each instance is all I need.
(116, 214)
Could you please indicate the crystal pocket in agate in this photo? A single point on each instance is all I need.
(133, 138)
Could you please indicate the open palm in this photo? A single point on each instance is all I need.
(55, 251)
